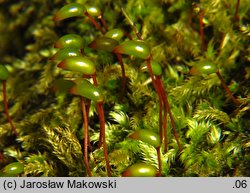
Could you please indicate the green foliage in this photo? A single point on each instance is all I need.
(213, 131)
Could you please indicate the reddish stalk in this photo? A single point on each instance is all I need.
(103, 23)
(160, 119)
(86, 136)
(204, 48)
(160, 89)
(158, 149)
(100, 142)
(137, 33)
(156, 86)
(236, 16)
(119, 57)
(102, 128)
(166, 104)
(158, 80)
(102, 137)
(138, 36)
(227, 89)
(6, 108)
(2, 157)
(163, 135)
(202, 30)
(101, 131)
(128, 35)
(165, 131)
(97, 26)
(87, 112)
(94, 79)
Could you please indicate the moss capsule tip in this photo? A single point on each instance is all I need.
(118, 49)
(56, 18)
(61, 64)
(72, 91)
(194, 71)
(93, 45)
(57, 45)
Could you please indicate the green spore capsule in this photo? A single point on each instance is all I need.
(115, 34)
(85, 89)
(146, 136)
(104, 43)
(13, 168)
(62, 85)
(70, 10)
(140, 170)
(70, 40)
(78, 64)
(7, 175)
(133, 48)
(93, 11)
(205, 67)
(156, 67)
(64, 53)
(4, 73)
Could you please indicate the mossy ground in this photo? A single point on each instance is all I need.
(214, 132)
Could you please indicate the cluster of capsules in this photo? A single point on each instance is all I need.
(70, 56)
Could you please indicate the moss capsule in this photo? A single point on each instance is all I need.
(93, 10)
(147, 136)
(78, 64)
(7, 175)
(70, 10)
(133, 48)
(104, 43)
(64, 53)
(205, 67)
(85, 89)
(156, 68)
(115, 34)
(140, 170)
(70, 40)
(4, 73)
(13, 168)
(62, 85)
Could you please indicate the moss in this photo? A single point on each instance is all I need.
(213, 130)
